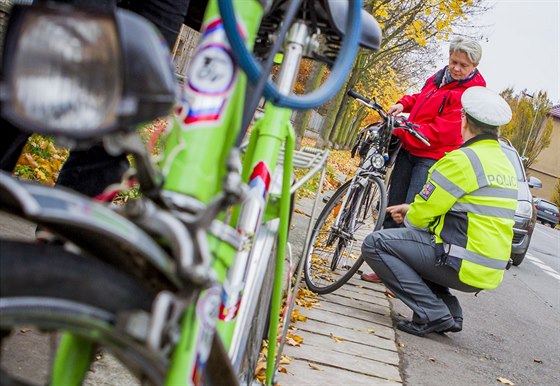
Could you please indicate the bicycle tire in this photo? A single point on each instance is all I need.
(323, 275)
(52, 290)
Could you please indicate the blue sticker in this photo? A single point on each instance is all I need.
(427, 190)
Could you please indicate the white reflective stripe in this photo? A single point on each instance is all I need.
(476, 165)
(494, 191)
(484, 210)
(446, 184)
(473, 257)
(408, 224)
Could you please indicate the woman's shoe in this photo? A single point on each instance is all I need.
(371, 277)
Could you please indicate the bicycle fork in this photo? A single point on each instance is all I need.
(357, 179)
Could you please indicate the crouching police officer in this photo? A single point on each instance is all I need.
(459, 227)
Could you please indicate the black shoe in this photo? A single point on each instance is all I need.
(458, 326)
(438, 325)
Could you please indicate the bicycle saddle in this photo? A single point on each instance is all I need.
(336, 12)
(327, 15)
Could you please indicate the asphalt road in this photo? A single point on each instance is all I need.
(512, 332)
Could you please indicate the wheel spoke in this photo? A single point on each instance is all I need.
(334, 253)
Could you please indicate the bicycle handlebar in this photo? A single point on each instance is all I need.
(411, 128)
(399, 122)
(355, 95)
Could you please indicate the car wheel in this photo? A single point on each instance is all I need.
(518, 258)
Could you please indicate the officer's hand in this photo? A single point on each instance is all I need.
(395, 109)
(398, 212)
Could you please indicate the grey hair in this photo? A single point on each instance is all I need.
(468, 46)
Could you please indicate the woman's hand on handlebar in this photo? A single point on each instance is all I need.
(395, 109)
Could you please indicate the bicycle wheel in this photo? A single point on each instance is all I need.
(334, 254)
(45, 292)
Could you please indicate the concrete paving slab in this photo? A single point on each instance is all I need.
(338, 318)
(346, 362)
(362, 314)
(320, 342)
(307, 373)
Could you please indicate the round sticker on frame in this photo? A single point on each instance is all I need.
(212, 70)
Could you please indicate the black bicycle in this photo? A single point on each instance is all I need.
(333, 253)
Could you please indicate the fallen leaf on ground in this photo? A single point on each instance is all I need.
(297, 317)
(371, 330)
(299, 211)
(293, 340)
(389, 295)
(306, 298)
(285, 360)
(336, 339)
(315, 367)
(432, 359)
(24, 330)
(537, 360)
(505, 381)
(401, 344)
(260, 370)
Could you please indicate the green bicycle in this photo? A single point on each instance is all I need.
(177, 285)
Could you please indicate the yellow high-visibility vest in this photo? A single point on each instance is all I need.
(468, 203)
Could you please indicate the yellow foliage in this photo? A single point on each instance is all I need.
(382, 12)
(40, 160)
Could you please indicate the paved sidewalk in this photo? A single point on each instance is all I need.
(348, 337)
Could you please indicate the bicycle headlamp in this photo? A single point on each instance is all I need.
(377, 161)
(81, 73)
(62, 70)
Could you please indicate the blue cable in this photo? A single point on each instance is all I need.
(332, 85)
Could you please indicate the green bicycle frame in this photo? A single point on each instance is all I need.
(204, 131)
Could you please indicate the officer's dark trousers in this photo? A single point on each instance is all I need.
(405, 259)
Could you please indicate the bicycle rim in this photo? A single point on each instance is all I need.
(37, 324)
(334, 255)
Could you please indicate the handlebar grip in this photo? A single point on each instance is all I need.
(355, 95)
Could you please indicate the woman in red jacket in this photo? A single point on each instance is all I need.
(436, 109)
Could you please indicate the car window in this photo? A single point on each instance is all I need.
(548, 205)
(516, 162)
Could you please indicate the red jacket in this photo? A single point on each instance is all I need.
(438, 112)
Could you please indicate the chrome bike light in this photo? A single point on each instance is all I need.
(62, 71)
(377, 161)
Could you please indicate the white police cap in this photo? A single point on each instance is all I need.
(486, 106)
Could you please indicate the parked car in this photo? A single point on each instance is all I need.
(547, 212)
(525, 215)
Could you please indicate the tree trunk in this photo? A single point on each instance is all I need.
(345, 102)
(355, 129)
(330, 119)
(302, 117)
